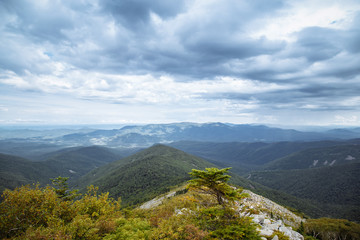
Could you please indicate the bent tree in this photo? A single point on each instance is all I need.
(213, 181)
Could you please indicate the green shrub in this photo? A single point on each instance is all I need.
(328, 228)
(225, 223)
(39, 213)
(130, 229)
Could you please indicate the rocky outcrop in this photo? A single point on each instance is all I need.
(271, 217)
(157, 201)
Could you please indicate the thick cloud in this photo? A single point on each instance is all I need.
(215, 60)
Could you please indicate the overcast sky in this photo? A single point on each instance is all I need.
(280, 62)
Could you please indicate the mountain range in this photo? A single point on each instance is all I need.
(147, 135)
(126, 163)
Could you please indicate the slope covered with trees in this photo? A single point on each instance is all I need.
(145, 174)
(44, 213)
(70, 162)
(16, 171)
(335, 190)
(317, 157)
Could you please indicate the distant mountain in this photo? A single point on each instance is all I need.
(344, 133)
(18, 133)
(147, 135)
(145, 174)
(334, 189)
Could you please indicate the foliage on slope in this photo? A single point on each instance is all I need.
(318, 157)
(40, 213)
(335, 190)
(17, 171)
(75, 162)
(70, 162)
(328, 229)
(145, 174)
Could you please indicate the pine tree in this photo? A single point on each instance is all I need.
(62, 189)
(213, 181)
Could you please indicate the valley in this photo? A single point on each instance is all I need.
(312, 172)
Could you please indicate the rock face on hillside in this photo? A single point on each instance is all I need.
(271, 217)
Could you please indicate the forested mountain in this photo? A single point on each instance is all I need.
(334, 189)
(75, 162)
(155, 170)
(145, 174)
(328, 166)
(318, 157)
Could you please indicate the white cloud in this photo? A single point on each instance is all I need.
(302, 14)
(240, 61)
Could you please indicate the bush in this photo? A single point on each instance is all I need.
(130, 229)
(225, 223)
(328, 228)
(178, 227)
(39, 213)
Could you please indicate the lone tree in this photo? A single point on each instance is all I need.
(62, 189)
(213, 181)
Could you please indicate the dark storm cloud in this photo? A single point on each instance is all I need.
(44, 24)
(317, 44)
(136, 13)
(206, 38)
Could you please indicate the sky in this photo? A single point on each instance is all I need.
(279, 62)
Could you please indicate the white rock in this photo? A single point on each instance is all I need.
(266, 232)
(275, 238)
(274, 226)
(291, 234)
(259, 219)
(267, 221)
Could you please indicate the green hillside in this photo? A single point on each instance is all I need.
(153, 171)
(335, 190)
(75, 162)
(318, 157)
(16, 171)
(70, 162)
(145, 174)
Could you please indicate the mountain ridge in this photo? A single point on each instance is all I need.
(147, 135)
